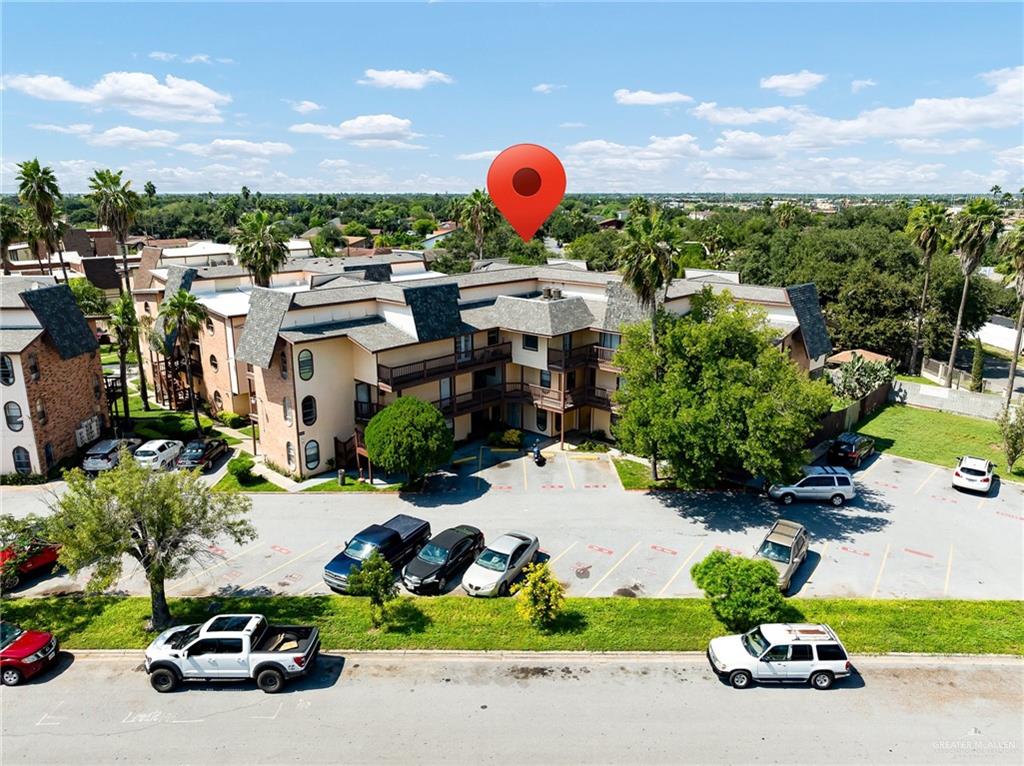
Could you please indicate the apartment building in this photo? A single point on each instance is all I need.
(51, 378)
(332, 341)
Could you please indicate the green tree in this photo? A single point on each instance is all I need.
(374, 579)
(1011, 249)
(20, 537)
(974, 227)
(858, 377)
(927, 226)
(600, 250)
(423, 227)
(355, 229)
(728, 398)
(997, 191)
(90, 299)
(123, 322)
(409, 436)
(872, 311)
(1011, 428)
(743, 592)
(184, 314)
(478, 214)
(38, 189)
(541, 595)
(978, 366)
(10, 231)
(260, 246)
(150, 189)
(162, 520)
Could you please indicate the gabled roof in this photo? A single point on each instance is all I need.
(804, 300)
(435, 310)
(259, 335)
(56, 310)
(372, 333)
(11, 288)
(14, 341)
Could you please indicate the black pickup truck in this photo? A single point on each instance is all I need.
(398, 539)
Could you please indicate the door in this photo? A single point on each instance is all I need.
(464, 347)
(567, 342)
(201, 659)
(815, 487)
(801, 657)
(460, 553)
(446, 392)
(773, 664)
(231, 660)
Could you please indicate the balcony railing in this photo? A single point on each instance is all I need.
(366, 410)
(471, 401)
(603, 357)
(405, 375)
(559, 359)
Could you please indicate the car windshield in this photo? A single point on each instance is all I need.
(493, 560)
(972, 471)
(179, 640)
(8, 633)
(433, 554)
(754, 643)
(100, 452)
(145, 453)
(774, 551)
(360, 550)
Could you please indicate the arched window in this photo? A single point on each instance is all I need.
(542, 420)
(97, 387)
(48, 454)
(217, 401)
(312, 454)
(209, 326)
(305, 364)
(146, 308)
(308, 410)
(22, 461)
(289, 452)
(33, 366)
(286, 406)
(284, 364)
(6, 370)
(12, 413)
(40, 412)
(213, 362)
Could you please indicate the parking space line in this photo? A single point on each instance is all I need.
(981, 503)
(870, 468)
(479, 467)
(949, 570)
(682, 567)
(614, 567)
(201, 572)
(312, 587)
(556, 558)
(282, 566)
(568, 467)
(922, 554)
(881, 568)
(927, 479)
(526, 483)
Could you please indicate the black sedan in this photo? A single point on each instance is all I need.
(201, 454)
(850, 450)
(442, 559)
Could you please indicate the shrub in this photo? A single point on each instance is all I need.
(743, 592)
(589, 445)
(232, 419)
(241, 468)
(375, 579)
(1011, 428)
(21, 479)
(541, 595)
(511, 437)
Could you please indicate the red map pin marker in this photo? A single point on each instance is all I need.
(526, 182)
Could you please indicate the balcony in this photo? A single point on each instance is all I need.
(366, 410)
(414, 373)
(471, 401)
(603, 357)
(559, 359)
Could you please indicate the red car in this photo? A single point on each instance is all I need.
(23, 653)
(41, 556)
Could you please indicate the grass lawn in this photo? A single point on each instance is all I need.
(998, 353)
(587, 624)
(256, 484)
(935, 437)
(634, 475)
(108, 355)
(351, 486)
(160, 423)
(916, 379)
(248, 430)
(231, 440)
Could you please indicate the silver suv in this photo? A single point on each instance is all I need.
(819, 483)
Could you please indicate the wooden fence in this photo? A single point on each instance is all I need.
(835, 423)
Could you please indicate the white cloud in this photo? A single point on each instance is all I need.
(546, 88)
(858, 85)
(335, 164)
(488, 154)
(133, 138)
(385, 143)
(570, 125)
(404, 79)
(601, 164)
(137, 93)
(304, 107)
(795, 84)
(648, 98)
(747, 145)
(195, 58)
(737, 115)
(225, 61)
(198, 58)
(1012, 156)
(163, 56)
(367, 131)
(939, 146)
(77, 129)
(228, 147)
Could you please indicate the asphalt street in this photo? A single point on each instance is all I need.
(907, 535)
(531, 708)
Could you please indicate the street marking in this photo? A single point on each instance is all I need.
(614, 567)
(55, 720)
(1009, 515)
(599, 549)
(189, 720)
(216, 550)
(282, 566)
(313, 587)
(927, 479)
(733, 551)
(568, 467)
(582, 457)
(660, 549)
(201, 572)
(919, 553)
(854, 551)
(942, 499)
(870, 468)
(949, 569)
(503, 487)
(878, 580)
(556, 558)
(682, 567)
(552, 486)
(526, 482)
(281, 549)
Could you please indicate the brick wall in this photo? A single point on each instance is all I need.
(214, 342)
(271, 390)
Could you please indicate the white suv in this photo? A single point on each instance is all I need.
(973, 474)
(158, 454)
(819, 483)
(780, 653)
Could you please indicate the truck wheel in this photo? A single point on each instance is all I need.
(740, 679)
(787, 499)
(163, 680)
(822, 679)
(271, 681)
(837, 500)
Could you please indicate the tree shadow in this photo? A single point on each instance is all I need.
(804, 573)
(405, 617)
(568, 621)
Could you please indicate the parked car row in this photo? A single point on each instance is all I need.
(156, 454)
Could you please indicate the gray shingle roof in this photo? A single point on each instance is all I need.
(259, 335)
(372, 333)
(11, 289)
(56, 310)
(435, 310)
(623, 307)
(178, 278)
(804, 299)
(14, 341)
(531, 316)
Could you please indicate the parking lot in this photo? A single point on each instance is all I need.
(907, 535)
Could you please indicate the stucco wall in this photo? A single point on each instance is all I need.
(17, 393)
(332, 385)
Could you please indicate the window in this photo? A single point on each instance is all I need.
(6, 370)
(213, 363)
(289, 452)
(284, 365)
(229, 646)
(48, 454)
(206, 646)
(530, 342)
(312, 454)
(218, 402)
(33, 366)
(209, 326)
(286, 406)
(493, 337)
(308, 410)
(229, 624)
(97, 388)
(801, 653)
(146, 308)
(817, 481)
(545, 379)
(22, 462)
(542, 420)
(305, 364)
(776, 654)
(464, 347)
(40, 412)
(831, 653)
(12, 413)
(609, 340)
(843, 481)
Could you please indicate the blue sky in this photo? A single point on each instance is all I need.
(419, 97)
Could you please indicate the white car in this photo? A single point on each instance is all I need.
(973, 474)
(158, 454)
(494, 570)
(104, 455)
(797, 653)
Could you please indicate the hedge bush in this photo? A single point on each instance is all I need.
(232, 419)
(241, 468)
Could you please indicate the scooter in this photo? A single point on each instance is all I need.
(538, 458)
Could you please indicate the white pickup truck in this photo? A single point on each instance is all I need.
(232, 647)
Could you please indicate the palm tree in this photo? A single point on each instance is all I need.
(38, 189)
(478, 214)
(30, 229)
(973, 228)
(10, 230)
(927, 226)
(125, 326)
(1011, 247)
(260, 246)
(996, 191)
(185, 313)
(647, 263)
(150, 189)
(786, 214)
